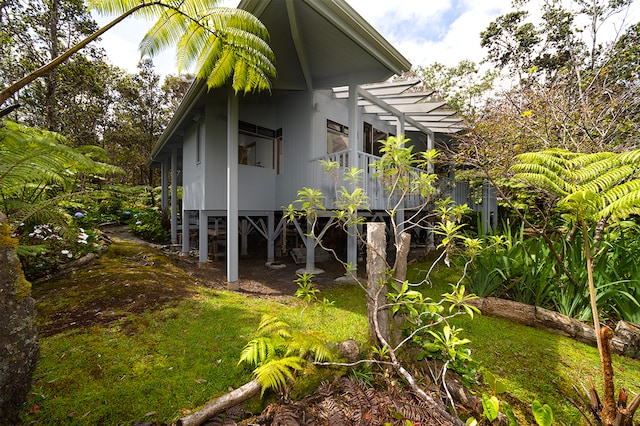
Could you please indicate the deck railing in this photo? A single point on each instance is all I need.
(377, 191)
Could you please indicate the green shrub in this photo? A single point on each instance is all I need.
(147, 224)
(46, 249)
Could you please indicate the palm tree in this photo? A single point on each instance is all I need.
(222, 43)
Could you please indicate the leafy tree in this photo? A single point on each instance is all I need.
(398, 314)
(566, 94)
(138, 117)
(595, 190)
(224, 44)
(462, 86)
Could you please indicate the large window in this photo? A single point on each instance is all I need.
(259, 146)
(337, 137)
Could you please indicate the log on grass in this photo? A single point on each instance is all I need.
(220, 405)
(626, 342)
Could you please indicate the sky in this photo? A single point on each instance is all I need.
(425, 32)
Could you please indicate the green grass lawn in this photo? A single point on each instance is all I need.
(157, 365)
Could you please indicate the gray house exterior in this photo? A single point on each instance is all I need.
(240, 158)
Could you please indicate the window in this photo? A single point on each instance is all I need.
(258, 146)
(337, 137)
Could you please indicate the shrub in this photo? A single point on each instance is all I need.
(147, 224)
(45, 249)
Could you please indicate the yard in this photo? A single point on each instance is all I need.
(139, 335)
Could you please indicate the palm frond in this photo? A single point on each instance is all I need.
(275, 374)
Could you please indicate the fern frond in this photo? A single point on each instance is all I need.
(258, 351)
(631, 157)
(271, 325)
(309, 344)
(622, 200)
(275, 374)
(548, 182)
(607, 178)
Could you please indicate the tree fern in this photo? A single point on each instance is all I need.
(224, 44)
(612, 179)
(38, 170)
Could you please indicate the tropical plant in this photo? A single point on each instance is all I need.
(38, 170)
(594, 190)
(398, 314)
(277, 352)
(223, 43)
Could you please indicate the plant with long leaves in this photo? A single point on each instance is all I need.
(592, 189)
(278, 352)
(222, 43)
(38, 170)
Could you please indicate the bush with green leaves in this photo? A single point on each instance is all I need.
(514, 266)
(47, 248)
(148, 224)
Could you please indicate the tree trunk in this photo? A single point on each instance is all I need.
(19, 348)
(376, 287)
(608, 413)
(402, 253)
(400, 275)
(221, 404)
(51, 79)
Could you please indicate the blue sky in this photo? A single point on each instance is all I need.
(445, 31)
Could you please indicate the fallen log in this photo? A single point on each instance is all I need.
(221, 404)
(626, 341)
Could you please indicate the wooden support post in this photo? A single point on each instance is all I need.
(174, 196)
(271, 239)
(186, 218)
(244, 234)
(203, 236)
(376, 287)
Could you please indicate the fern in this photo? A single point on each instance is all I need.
(610, 179)
(275, 374)
(224, 44)
(309, 343)
(273, 325)
(277, 353)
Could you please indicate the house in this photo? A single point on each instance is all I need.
(240, 158)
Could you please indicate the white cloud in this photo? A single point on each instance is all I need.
(445, 31)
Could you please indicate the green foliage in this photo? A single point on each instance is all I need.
(542, 413)
(513, 266)
(305, 289)
(147, 223)
(490, 407)
(277, 352)
(602, 185)
(38, 170)
(45, 249)
(224, 44)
